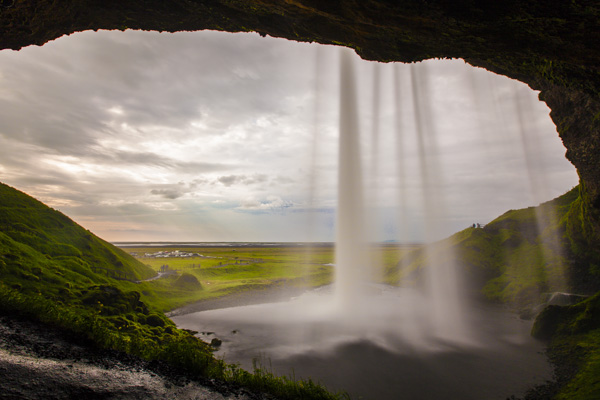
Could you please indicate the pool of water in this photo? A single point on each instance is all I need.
(383, 348)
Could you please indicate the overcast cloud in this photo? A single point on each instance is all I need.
(210, 136)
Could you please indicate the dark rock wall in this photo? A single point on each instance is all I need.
(552, 45)
(577, 118)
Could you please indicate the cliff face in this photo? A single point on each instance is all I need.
(552, 45)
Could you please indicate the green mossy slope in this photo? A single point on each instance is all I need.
(52, 234)
(520, 255)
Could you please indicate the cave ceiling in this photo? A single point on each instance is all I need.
(552, 45)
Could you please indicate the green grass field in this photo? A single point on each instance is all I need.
(226, 270)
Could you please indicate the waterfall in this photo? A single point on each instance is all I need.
(443, 317)
(351, 244)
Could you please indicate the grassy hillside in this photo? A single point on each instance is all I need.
(48, 233)
(44, 252)
(519, 256)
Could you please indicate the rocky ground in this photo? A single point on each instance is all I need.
(39, 362)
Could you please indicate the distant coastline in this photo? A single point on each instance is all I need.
(240, 244)
(222, 244)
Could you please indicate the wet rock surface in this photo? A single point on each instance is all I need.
(37, 361)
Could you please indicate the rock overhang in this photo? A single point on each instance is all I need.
(551, 45)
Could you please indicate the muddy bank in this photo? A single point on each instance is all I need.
(37, 361)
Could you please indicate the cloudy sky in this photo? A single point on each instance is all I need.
(211, 136)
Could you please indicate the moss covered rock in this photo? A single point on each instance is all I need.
(550, 321)
(556, 320)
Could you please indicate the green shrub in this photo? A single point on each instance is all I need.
(568, 320)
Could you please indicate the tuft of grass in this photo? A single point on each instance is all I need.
(263, 380)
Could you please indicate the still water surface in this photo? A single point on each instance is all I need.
(385, 353)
